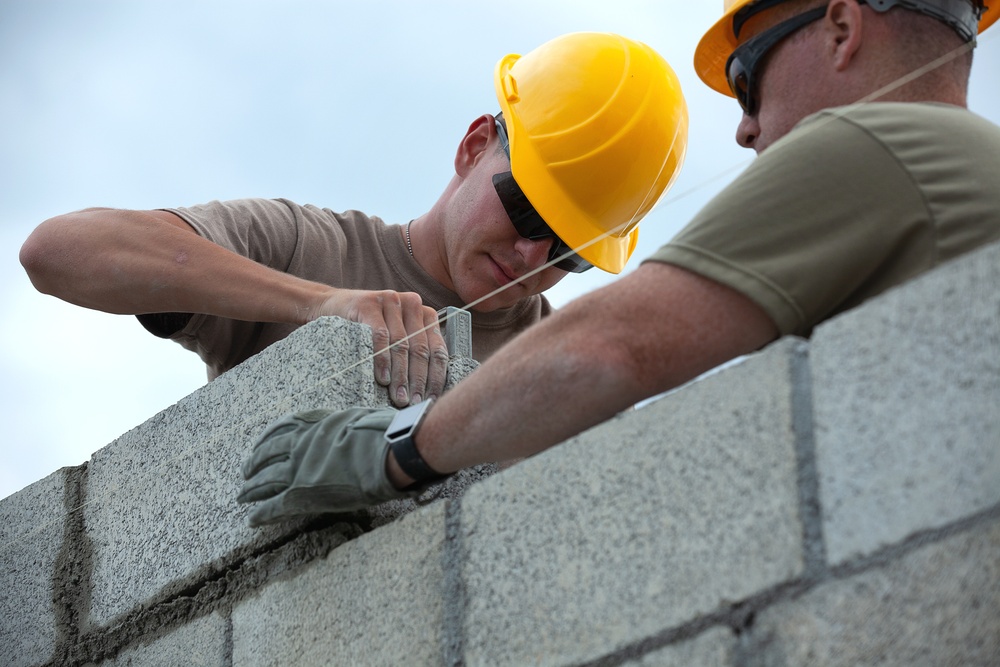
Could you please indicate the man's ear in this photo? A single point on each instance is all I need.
(844, 20)
(474, 144)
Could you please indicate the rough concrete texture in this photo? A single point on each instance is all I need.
(453, 487)
(938, 605)
(201, 643)
(161, 498)
(459, 368)
(715, 647)
(681, 508)
(906, 391)
(377, 600)
(31, 537)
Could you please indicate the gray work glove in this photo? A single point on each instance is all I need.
(319, 461)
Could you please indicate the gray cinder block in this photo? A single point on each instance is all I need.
(716, 647)
(162, 506)
(32, 525)
(907, 391)
(377, 600)
(200, 643)
(939, 605)
(677, 509)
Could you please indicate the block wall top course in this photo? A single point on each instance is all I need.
(162, 498)
(678, 509)
(906, 394)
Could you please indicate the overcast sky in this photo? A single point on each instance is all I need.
(141, 104)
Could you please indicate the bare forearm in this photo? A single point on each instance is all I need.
(132, 262)
(135, 262)
(564, 375)
(649, 332)
(524, 403)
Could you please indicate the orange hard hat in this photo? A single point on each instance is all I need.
(720, 41)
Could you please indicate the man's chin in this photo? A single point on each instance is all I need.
(492, 304)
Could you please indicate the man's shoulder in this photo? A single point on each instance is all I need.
(865, 112)
(891, 119)
(278, 208)
(852, 141)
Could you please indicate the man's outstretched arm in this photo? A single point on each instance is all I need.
(136, 262)
(650, 331)
(655, 329)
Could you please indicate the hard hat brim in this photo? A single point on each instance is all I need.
(990, 15)
(714, 49)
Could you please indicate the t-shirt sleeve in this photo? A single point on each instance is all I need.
(264, 230)
(808, 225)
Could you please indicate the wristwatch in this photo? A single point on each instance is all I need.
(400, 435)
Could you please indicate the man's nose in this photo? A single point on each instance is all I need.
(747, 131)
(535, 252)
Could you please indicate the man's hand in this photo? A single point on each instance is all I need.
(319, 461)
(411, 356)
(130, 263)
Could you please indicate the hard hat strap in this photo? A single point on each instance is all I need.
(962, 15)
(741, 68)
(752, 9)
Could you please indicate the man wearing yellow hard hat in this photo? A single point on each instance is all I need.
(870, 170)
(592, 131)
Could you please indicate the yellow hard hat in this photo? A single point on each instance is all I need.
(720, 41)
(598, 127)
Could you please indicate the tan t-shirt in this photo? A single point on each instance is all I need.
(850, 203)
(349, 249)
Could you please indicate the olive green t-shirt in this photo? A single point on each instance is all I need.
(349, 249)
(850, 203)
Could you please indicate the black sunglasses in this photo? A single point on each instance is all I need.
(741, 68)
(525, 218)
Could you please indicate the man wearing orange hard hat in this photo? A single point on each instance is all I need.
(870, 171)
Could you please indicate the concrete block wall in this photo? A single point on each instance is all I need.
(147, 535)
(826, 502)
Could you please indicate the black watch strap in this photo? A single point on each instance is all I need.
(401, 434)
